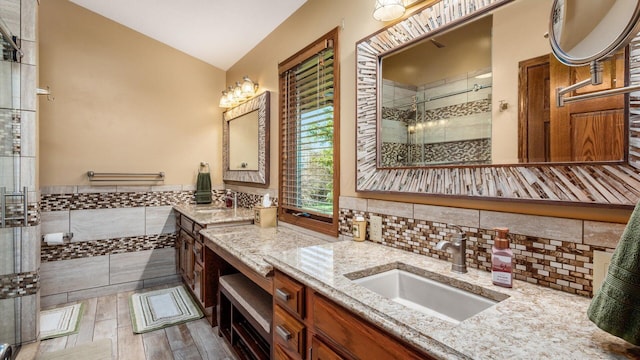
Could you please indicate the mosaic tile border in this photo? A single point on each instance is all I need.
(19, 285)
(112, 200)
(560, 265)
(83, 249)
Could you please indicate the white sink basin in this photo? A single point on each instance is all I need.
(429, 296)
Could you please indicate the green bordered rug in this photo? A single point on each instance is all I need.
(60, 321)
(157, 309)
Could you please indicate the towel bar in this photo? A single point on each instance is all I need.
(94, 176)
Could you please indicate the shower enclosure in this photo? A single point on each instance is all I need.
(19, 220)
(445, 122)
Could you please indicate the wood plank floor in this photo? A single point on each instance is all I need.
(108, 317)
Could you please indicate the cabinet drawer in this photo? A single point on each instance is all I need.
(280, 354)
(357, 337)
(288, 332)
(186, 224)
(198, 252)
(289, 294)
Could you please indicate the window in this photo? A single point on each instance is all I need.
(309, 113)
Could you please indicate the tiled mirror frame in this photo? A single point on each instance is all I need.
(615, 184)
(257, 177)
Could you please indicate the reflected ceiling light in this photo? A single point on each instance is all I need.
(387, 10)
(484, 76)
(241, 92)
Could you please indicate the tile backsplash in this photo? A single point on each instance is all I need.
(549, 251)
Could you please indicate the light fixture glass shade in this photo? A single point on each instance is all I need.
(224, 101)
(232, 99)
(248, 87)
(387, 10)
(237, 91)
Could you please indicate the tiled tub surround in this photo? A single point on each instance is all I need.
(551, 252)
(123, 238)
(532, 323)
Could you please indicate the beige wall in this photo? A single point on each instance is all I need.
(317, 17)
(123, 102)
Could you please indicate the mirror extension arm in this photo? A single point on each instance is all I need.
(596, 79)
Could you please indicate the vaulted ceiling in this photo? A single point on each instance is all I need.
(215, 31)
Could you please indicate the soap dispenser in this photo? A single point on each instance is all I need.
(502, 259)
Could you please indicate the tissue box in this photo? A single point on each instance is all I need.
(265, 216)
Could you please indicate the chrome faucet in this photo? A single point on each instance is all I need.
(458, 245)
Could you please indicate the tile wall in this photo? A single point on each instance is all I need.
(549, 251)
(19, 244)
(122, 238)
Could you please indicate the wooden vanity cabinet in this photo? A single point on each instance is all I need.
(327, 330)
(191, 262)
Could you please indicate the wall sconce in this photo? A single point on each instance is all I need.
(239, 93)
(387, 10)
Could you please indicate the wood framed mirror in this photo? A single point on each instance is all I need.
(606, 183)
(246, 142)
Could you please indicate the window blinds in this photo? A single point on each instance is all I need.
(307, 130)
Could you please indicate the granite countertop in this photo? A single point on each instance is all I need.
(209, 214)
(533, 322)
(251, 243)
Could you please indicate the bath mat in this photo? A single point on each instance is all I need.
(60, 321)
(97, 350)
(157, 309)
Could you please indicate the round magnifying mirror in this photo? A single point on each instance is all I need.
(582, 31)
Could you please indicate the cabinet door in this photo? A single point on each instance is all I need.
(197, 281)
(356, 337)
(178, 255)
(188, 259)
(184, 244)
(321, 351)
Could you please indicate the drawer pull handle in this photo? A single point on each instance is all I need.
(283, 333)
(283, 294)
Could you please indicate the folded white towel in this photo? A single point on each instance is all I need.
(54, 238)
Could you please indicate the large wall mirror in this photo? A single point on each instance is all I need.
(459, 101)
(246, 142)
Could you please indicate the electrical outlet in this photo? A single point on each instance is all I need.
(601, 262)
(375, 228)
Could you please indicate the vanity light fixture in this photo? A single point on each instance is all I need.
(239, 93)
(387, 10)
